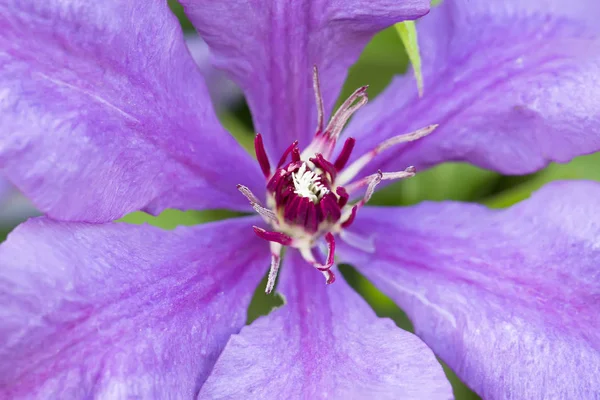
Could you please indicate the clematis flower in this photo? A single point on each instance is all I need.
(101, 115)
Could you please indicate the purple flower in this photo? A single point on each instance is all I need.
(103, 113)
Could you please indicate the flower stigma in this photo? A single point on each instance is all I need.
(310, 199)
(308, 184)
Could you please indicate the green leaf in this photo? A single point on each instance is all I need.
(171, 218)
(238, 130)
(408, 33)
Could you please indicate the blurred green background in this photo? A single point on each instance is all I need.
(381, 60)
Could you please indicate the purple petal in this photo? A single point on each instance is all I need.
(269, 49)
(513, 84)
(508, 298)
(121, 311)
(103, 112)
(324, 343)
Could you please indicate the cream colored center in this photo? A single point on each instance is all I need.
(306, 184)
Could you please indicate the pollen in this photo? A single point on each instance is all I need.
(308, 184)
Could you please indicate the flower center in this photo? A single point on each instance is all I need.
(308, 184)
(308, 196)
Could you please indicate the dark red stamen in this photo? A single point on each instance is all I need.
(330, 207)
(329, 238)
(350, 219)
(276, 179)
(286, 153)
(343, 200)
(261, 155)
(291, 209)
(304, 205)
(344, 155)
(295, 154)
(322, 163)
(330, 278)
(330, 249)
(311, 223)
(294, 166)
(276, 237)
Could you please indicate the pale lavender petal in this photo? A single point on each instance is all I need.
(269, 48)
(324, 343)
(513, 84)
(508, 298)
(103, 112)
(121, 311)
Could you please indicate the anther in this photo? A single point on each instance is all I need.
(276, 237)
(344, 155)
(261, 155)
(318, 100)
(343, 196)
(321, 163)
(350, 106)
(286, 153)
(324, 268)
(275, 262)
(350, 219)
(296, 155)
(385, 176)
(325, 140)
(256, 205)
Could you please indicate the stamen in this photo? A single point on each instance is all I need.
(330, 239)
(342, 159)
(325, 269)
(256, 205)
(275, 262)
(350, 218)
(286, 152)
(343, 114)
(296, 154)
(407, 137)
(329, 277)
(276, 237)
(261, 155)
(343, 200)
(319, 101)
(325, 142)
(373, 181)
(378, 177)
(321, 163)
(329, 207)
(349, 173)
